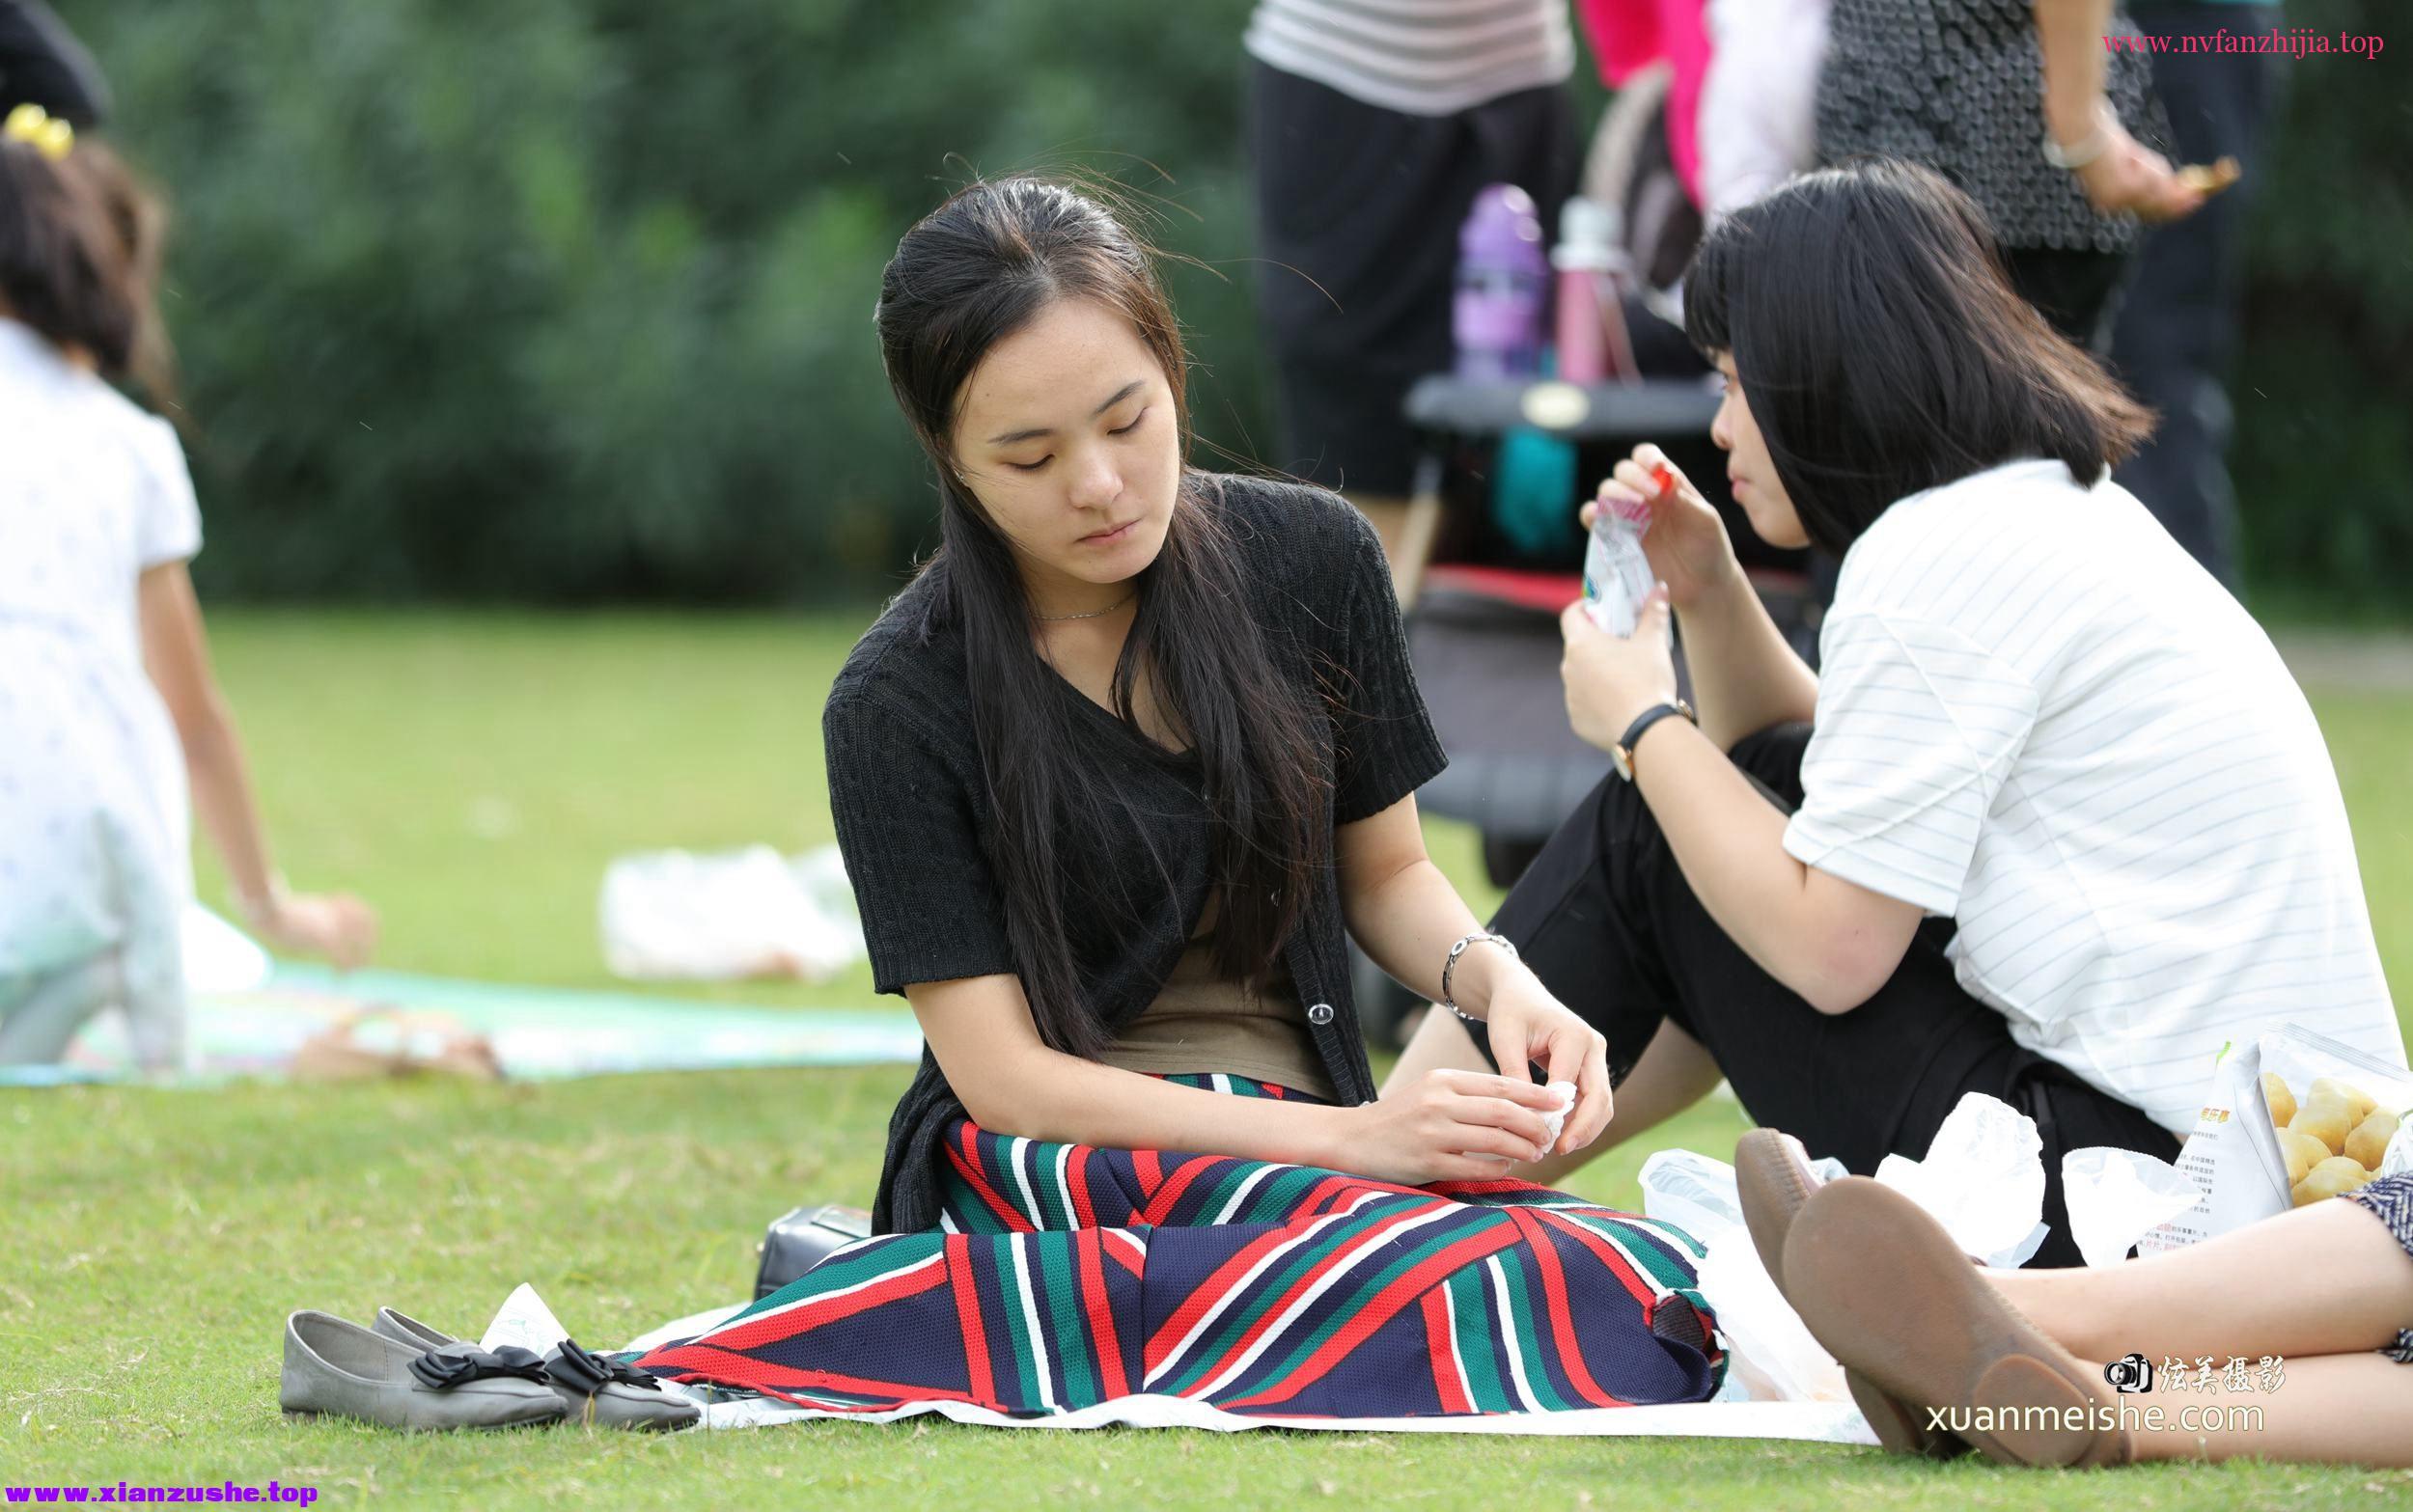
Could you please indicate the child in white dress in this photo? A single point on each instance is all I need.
(107, 703)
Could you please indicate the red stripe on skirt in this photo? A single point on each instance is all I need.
(1213, 1292)
(968, 1318)
(1089, 1253)
(1324, 1192)
(721, 1368)
(805, 1317)
(1570, 1349)
(1441, 1344)
(1169, 1193)
(1607, 1255)
(967, 1164)
(1469, 1188)
(1342, 1254)
(1329, 1192)
(1385, 1307)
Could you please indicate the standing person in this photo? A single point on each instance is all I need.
(2052, 822)
(97, 514)
(1114, 777)
(1373, 123)
(2026, 110)
(2177, 329)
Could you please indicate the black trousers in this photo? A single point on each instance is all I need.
(2176, 330)
(1606, 920)
(1358, 212)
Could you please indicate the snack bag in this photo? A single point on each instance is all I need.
(2343, 1110)
(2285, 1118)
(1616, 575)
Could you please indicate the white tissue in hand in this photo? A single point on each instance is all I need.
(2115, 1197)
(1982, 1179)
(1555, 1120)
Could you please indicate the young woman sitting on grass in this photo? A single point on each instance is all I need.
(2052, 822)
(1114, 777)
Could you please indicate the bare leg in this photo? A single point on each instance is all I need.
(1673, 1074)
(2325, 1280)
(2330, 1409)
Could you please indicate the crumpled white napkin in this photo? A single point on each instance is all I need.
(1556, 1120)
(1982, 1179)
(2117, 1196)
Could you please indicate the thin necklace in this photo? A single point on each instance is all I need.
(1094, 612)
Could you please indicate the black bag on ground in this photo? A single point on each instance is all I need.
(799, 1240)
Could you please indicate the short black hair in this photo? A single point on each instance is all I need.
(1883, 350)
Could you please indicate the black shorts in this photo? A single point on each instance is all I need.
(1358, 210)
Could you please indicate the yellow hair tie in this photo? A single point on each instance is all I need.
(40, 130)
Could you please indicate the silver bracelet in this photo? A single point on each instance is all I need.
(2087, 150)
(1451, 965)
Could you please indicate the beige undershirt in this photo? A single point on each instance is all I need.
(1201, 1023)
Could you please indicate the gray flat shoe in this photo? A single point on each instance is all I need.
(593, 1390)
(344, 1370)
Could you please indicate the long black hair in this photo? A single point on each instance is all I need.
(976, 270)
(1883, 350)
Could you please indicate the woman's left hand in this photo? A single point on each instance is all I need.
(1610, 680)
(1529, 1026)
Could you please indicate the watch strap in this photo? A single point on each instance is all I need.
(1623, 755)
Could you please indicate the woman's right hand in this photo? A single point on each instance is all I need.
(1687, 544)
(1450, 1126)
(2129, 175)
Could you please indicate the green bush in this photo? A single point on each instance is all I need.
(571, 302)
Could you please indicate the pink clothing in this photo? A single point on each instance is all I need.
(1629, 36)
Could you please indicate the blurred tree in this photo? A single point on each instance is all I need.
(2323, 391)
(572, 302)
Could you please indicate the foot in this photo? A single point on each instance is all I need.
(1773, 1178)
(1891, 1296)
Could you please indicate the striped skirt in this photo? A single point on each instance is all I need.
(1064, 1276)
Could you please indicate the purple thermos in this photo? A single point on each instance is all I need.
(1503, 286)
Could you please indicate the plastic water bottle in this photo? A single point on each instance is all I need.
(1592, 343)
(1503, 286)
(1616, 575)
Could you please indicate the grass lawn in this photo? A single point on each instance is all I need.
(472, 775)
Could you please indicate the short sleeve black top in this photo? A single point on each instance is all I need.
(910, 801)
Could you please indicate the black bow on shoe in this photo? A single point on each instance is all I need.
(587, 1373)
(460, 1362)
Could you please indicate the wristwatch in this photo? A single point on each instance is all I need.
(1623, 753)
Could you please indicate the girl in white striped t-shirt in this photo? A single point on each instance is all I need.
(2053, 822)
